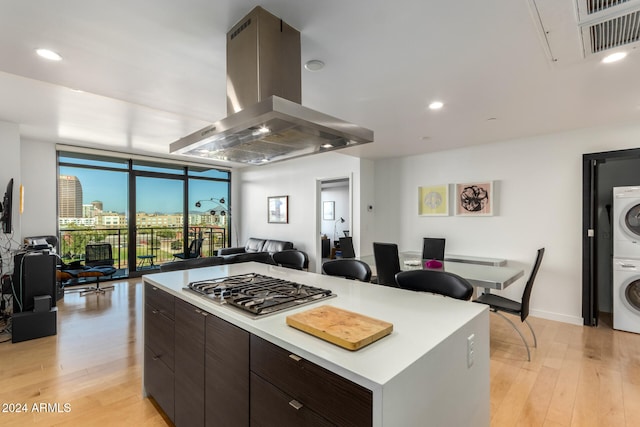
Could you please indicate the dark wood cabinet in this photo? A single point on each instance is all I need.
(272, 407)
(202, 370)
(227, 376)
(159, 348)
(190, 323)
(310, 386)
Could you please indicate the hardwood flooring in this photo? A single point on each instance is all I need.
(89, 374)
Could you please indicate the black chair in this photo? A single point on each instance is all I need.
(435, 281)
(387, 263)
(499, 304)
(346, 247)
(98, 263)
(349, 268)
(195, 247)
(433, 248)
(291, 258)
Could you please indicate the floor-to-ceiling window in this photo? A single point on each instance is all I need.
(149, 211)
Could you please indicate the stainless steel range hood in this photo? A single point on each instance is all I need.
(266, 122)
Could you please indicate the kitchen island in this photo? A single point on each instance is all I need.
(433, 369)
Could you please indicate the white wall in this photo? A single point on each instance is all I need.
(297, 179)
(538, 194)
(39, 177)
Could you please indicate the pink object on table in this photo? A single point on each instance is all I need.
(433, 263)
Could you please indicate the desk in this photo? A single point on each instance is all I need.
(482, 276)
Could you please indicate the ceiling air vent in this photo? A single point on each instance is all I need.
(595, 6)
(620, 31)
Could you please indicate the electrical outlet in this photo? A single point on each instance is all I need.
(470, 349)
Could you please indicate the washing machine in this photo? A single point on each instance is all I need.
(626, 295)
(626, 222)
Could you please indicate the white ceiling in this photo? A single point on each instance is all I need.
(152, 71)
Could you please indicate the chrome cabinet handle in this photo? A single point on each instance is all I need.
(296, 405)
(296, 358)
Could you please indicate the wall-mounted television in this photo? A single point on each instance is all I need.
(7, 208)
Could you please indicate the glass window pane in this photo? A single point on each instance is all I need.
(210, 213)
(159, 218)
(92, 208)
(158, 167)
(209, 173)
(92, 160)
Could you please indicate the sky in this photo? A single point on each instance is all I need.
(154, 194)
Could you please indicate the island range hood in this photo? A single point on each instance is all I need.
(266, 122)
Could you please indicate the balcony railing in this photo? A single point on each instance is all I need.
(155, 245)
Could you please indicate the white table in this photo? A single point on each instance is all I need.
(482, 276)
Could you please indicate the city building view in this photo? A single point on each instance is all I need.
(159, 224)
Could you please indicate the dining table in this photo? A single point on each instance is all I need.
(482, 276)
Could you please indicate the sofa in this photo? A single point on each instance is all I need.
(255, 249)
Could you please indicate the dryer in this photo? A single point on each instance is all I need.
(626, 295)
(626, 222)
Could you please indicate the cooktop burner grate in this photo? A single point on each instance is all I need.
(258, 294)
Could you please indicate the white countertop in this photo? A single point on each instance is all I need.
(420, 321)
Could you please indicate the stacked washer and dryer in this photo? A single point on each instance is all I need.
(626, 259)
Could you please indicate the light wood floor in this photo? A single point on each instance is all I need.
(578, 376)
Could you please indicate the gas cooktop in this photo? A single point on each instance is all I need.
(257, 294)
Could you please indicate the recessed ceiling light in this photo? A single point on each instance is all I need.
(436, 105)
(614, 57)
(48, 54)
(314, 65)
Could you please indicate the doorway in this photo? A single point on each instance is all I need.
(601, 173)
(334, 216)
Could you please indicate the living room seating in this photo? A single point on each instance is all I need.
(498, 304)
(348, 268)
(191, 263)
(387, 263)
(433, 248)
(255, 249)
(291, 258)
(195, 247)
(98, 263)
(435, 281)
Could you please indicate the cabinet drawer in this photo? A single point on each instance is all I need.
(159, 300)
(339, 400)
(158, 382)
(272, 407)
(159, 335)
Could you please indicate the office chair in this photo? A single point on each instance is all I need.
(435, 281)
(498, 304)
(348, 268)
(387, 263)
(291, 258)
(433, 248)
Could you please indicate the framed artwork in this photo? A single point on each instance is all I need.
(278, 209)
(328, 210)
(433, 200)
(474, 199)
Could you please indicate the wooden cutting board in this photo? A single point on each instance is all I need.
(341, 327)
